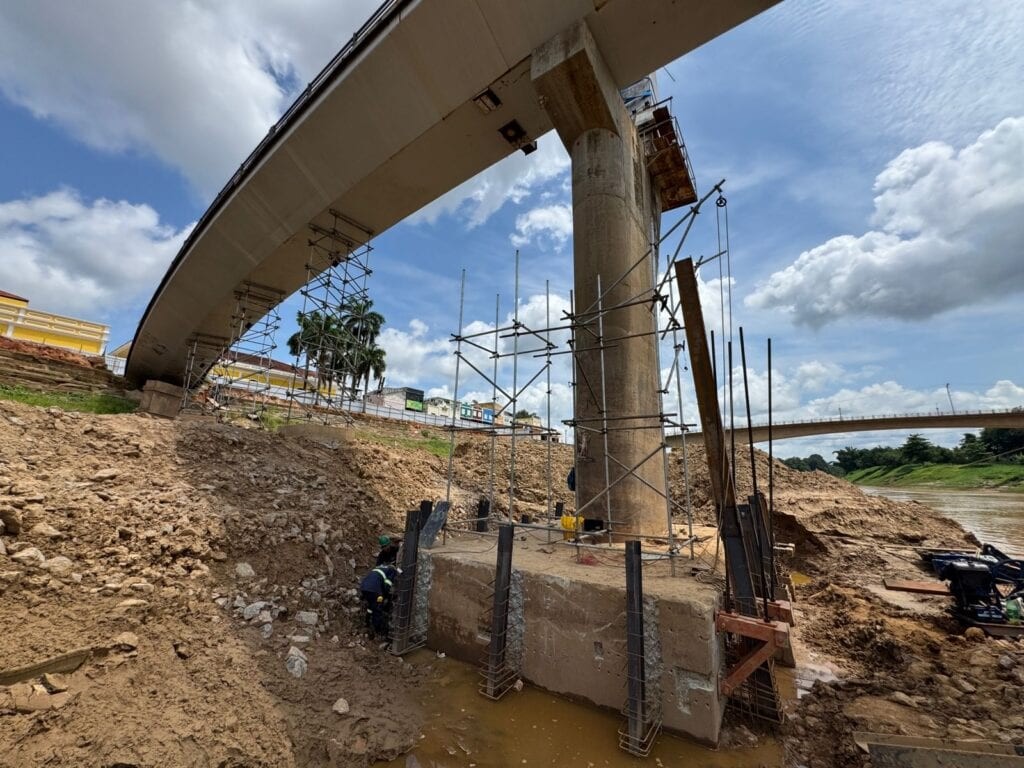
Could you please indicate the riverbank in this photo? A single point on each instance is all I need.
(1002, 477)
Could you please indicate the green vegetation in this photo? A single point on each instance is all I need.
(342, 346)
(86, 402)
(438, 446)
(1008, 477)
(814, 462)
(992, 459)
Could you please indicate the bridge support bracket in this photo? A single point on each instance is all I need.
(763, 638)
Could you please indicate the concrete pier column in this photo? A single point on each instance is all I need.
(615, 218)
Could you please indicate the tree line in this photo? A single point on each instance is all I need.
(992, 445)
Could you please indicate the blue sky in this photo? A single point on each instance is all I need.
(874, 157)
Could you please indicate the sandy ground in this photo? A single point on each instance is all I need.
(205, 574)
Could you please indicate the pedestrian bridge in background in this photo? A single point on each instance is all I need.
(785, 430)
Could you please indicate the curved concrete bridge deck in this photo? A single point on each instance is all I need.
(391, 124)
(963, 419)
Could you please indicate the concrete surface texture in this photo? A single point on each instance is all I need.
(567, 625)
(614, 222)
(161, 399)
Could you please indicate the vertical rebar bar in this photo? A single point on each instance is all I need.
(572, 388)
(547, 363)
(679, 408)
(515, 394)
(732, 422)
(455, 392)
(494, 396)
(758, 543)
(604, 409)
(663, 390)
(771, 455)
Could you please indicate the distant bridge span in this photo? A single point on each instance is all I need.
(785, 430)
(425, 96)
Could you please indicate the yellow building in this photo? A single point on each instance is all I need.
(20, 323)
(238, 370)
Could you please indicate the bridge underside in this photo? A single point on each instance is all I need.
(421, 103)
(1005, 419)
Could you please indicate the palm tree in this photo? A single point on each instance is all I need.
(363, 325)
(371, 361)
(320, 340)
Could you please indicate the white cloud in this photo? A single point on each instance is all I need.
(511, 180)
(547, 226)
(890, 69)
(69, 256)
(197, 84)
(414, 358)
(948, 233)
(417, 358)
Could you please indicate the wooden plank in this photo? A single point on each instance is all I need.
(920, 587)
(704, 385)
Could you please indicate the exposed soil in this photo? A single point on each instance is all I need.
(904, 666)
(151, 528)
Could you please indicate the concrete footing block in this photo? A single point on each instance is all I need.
(161, 399)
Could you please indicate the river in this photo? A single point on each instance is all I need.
(995, 517)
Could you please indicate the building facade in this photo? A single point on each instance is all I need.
(19, 322)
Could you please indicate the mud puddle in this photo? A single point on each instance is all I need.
(533, 727)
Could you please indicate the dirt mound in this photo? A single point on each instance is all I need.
(230, 558)
(36, 366)
(46, 352)
(221, 550)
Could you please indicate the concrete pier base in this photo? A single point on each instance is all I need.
(567, 626)
(161, 399)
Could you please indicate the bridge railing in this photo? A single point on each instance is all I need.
(740, 425)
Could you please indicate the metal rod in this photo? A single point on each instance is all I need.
(753, 478)
(547, 320)
(771, 455)
(494, 398)
(732, 423)
(750, 425)
(613, 483)
(515, 395)
(679, 405)
(576, 448)
(604, 412)
(455, 390)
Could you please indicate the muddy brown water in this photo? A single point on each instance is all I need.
(995, 517)
(533, 727)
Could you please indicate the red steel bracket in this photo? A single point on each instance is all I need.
(764, 638)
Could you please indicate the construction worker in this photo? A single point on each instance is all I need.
(376, 588)
(388, 554)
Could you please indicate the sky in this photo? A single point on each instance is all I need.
(873, 155)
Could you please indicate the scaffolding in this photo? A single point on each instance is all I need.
(335, 306)
(201, 353)
(532, 351)
(243, 374)
(230, 375)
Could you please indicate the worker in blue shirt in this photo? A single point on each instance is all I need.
(376, 588)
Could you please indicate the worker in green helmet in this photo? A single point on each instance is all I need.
(388, 554)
